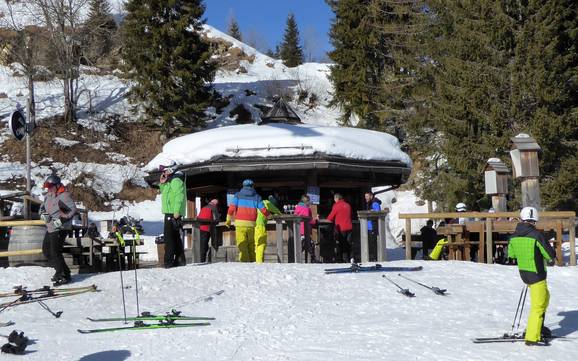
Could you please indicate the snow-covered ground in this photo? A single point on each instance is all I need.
(296, 312)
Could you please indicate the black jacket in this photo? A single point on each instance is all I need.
(531, 250)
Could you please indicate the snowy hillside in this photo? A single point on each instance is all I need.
(296, 312)
(250, 86)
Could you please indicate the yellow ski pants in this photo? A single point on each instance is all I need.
(260, 243)
(539, 299)
(245, 239)
(436, 253)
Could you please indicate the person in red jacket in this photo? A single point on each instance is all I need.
(210, 212)
(341, 216)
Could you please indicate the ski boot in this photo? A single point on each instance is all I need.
(546, 332)
(62, 280)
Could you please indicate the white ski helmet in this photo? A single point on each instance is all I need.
(169, 165)
(461, 207)
(529, 214)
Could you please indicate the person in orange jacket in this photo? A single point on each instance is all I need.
(243, 209)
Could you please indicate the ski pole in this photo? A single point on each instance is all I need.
(45, 306)
(135, 240)
(522, 310)
(436, 290)
(518, 308)
(403, 291)
(121, 284)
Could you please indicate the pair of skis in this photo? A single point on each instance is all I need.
(511, 338)
(164, 321)
(40, 295)
(43, 294)
(406, 292)
(357, 268)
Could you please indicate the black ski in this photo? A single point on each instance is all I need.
(355, 267)
(404, 291)
(6, 324)
(436, 290)
(516, 338)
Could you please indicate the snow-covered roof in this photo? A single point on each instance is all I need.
(280, 140)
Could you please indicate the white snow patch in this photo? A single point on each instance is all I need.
(66, 143)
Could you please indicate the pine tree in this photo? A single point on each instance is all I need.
(466, 107)
(361, 56)
(234, 29)
(99, 30)
(493, 69)
(168, 61)
(291, 51)
(545, 92)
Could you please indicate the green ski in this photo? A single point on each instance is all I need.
(152, 318)
(139, 325)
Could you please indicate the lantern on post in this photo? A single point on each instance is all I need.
(496, 180)
(525, 163)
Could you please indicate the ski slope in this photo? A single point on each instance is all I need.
(295, 312)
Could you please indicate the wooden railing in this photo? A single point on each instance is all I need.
(555, 221)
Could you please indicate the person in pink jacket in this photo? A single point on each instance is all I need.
(304, 209)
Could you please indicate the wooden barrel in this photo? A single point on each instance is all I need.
(26, 238)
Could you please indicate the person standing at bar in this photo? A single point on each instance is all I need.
(210, 212)
(341, 216)
(261, 227)
(243, 209)
(173, 195)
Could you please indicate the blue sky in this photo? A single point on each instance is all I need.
(262, 22)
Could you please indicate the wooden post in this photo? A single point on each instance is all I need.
(499, 203)
(296, 240)
(408, 239)
(489, 242)
(279, 236)
(531, 193)
(381, 241)
(572, 236)
(196, 242)
(482, 247)
(363, 239)
(559, 255)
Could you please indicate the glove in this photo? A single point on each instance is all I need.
(228, 221)
(57, 223)
(45, 217)
(551, 262)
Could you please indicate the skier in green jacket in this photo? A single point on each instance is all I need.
(529, 247)
(173, 195)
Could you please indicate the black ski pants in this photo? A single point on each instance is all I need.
(174, 248)
(205, 236)
(52, 250)
(344, 246)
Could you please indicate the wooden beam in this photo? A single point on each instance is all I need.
(37, 222)
(25, 252)
(483, 215)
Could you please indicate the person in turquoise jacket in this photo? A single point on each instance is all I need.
(173, 196)
(261, 228)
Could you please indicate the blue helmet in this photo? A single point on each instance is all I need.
(248, 183)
